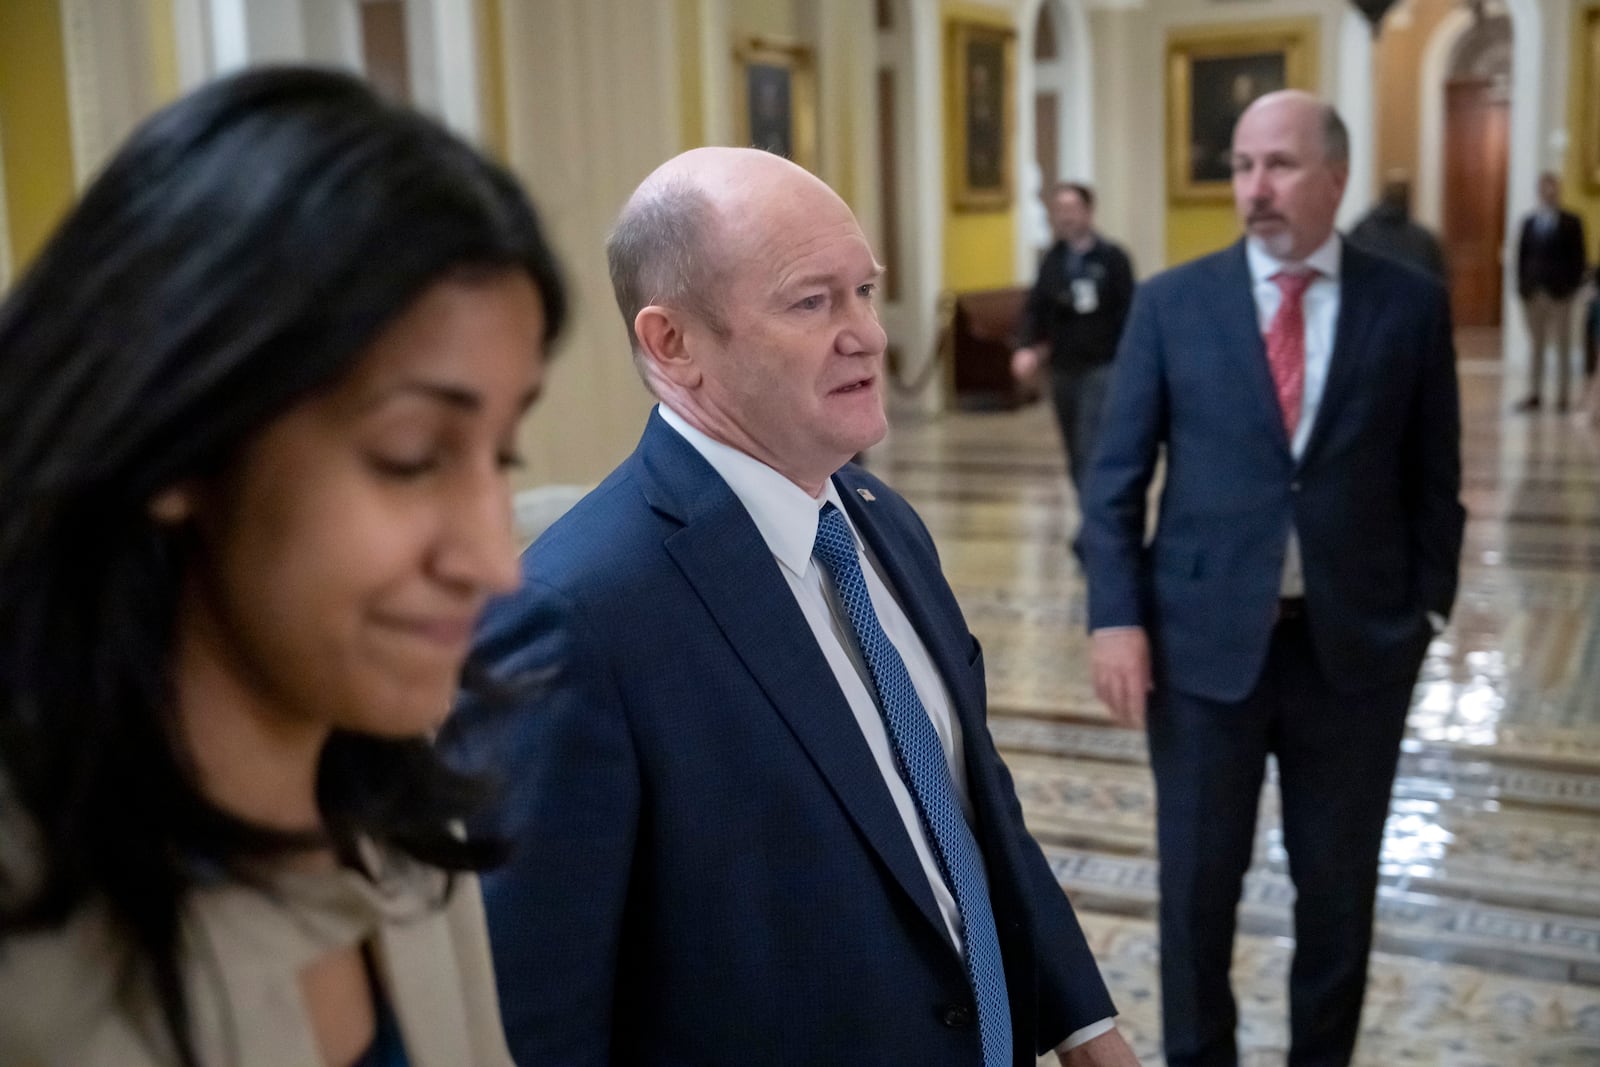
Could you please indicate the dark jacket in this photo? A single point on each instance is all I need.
(1551, 262)
(1374, 497)
(1079, 340)
(708, 868)
(1388, 231)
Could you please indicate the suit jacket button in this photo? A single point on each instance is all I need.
(1294, 487)
(957, 1016)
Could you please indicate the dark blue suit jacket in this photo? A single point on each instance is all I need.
(708, 866)
(1374, 498)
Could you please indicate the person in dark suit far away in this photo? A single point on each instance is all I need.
(1550, 269)
(1305, 553)
(758, 815)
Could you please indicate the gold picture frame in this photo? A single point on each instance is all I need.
(981, 86)
(776, 97)
(1590, 114)
(1212, 75)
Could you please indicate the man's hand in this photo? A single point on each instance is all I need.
(1107, 1050)
(1025, 364)
(1120, 659)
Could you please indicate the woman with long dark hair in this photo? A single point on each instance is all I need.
(257, 399)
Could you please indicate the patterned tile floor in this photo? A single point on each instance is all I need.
(1489, 912)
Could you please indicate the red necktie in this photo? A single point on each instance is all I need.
(1286, 345)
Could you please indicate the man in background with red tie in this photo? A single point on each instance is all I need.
(1305, 554)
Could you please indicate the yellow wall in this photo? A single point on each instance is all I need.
(764, 18)
(1576, 191)
(34, 123)
(1196, 229)
(979, 246)
(162, 33)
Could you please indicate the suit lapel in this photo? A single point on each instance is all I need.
(1358, 305)
(721, 554)
(920, 601)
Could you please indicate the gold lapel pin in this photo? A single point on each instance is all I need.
(866, 494)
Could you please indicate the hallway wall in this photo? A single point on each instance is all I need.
(35, 130)
(592, 107)
(1581, 196)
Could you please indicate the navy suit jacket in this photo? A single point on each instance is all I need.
(1551, 262)
(1374, 498)
(708, 867)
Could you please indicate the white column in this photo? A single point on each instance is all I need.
(1354, 102)
(1537, 59)
(924, 232)
(442, 45)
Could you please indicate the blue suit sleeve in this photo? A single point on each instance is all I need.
(570, 810)
(1111, 542)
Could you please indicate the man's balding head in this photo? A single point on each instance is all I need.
(675, 242)
(748, 289)
(662, 250)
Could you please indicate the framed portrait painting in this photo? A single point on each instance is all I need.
(776, 97)
(981, 79)
(1211, 78)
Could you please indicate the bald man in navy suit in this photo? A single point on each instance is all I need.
(758, 817)
(1305, 553)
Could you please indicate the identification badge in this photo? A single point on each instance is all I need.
(1085, 296)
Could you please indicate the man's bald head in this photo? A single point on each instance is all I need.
(681, 232)
(1298, 105)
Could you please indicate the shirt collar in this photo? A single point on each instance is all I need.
(785, 514)
(1325, 260)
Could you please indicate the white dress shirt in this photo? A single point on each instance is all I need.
(1321, 305)
(786, 516)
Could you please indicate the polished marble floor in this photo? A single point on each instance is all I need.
(1489, 912)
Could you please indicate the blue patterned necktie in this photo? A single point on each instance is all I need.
(922, 766)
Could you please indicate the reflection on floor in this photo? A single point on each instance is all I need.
(1489, 918)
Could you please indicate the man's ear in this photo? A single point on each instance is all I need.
(664, 345)
(174, 505)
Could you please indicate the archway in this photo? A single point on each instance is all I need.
(1530, 62)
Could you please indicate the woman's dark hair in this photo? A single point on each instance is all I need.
(236, 256)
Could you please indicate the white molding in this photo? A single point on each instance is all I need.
(230, 36)
(85, 119)
(925, 233)
(1355, 103)
(1071, 75)
(442, 46)
(191, 25)
(1531, 62)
